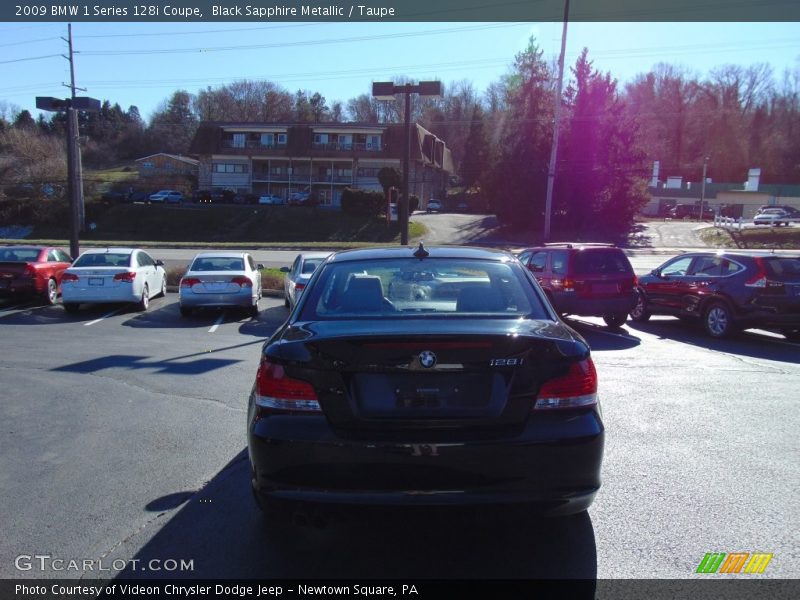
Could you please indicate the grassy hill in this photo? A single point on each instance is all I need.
(227, 224)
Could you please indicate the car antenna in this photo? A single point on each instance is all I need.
(420, 252)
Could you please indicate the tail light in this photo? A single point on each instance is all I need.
(30, 271)
(759, 280)
(69, 277)
(242, 281)
(189, 281)
(276, 391)
(299, 287)
(128, 277)
(575, 389)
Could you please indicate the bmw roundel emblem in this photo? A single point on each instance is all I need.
(427, 359)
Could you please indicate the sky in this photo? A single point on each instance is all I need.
(141, 64)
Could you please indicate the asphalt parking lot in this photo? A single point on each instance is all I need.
(124, 439)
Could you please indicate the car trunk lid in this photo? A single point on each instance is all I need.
(443, 376)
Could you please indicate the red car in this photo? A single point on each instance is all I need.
(32, 271)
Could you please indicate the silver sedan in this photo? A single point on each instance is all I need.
(221, 279)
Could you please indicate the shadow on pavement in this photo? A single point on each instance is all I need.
(169, 366)
(222, 531)
(746, 343)
(602, 338)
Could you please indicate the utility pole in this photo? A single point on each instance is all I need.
(76, 173)
(551, 171)
(70, 106)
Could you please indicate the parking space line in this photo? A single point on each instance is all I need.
(10, 308)
(15, 310)
(112, 313)
(217, 323)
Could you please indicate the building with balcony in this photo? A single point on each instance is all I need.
(320, 158)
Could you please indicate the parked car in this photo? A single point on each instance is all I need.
(792, 211)
(113, 275)
(221, 279)
(584, 279)
(168, 196)
(32, 271)
(480, 395)
(270, 199)
(434, 205)
(299, 198)
(691, 211)
(726, 291)
(299, 274)
(773, 216)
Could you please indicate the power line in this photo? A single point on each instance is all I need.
(362, 38)
(16, 60)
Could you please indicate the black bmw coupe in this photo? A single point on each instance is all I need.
(425, 376)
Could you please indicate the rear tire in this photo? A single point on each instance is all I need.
(145, 301)
(639, 313)
(163, 292)
(615, 320)
(286, 303)
(51, 294)
(253, 311)
(71, 307)
(718, 320)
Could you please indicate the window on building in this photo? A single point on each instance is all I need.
(267, 139)
(239, 140)
(281, 139)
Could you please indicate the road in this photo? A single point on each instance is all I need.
(124, 439)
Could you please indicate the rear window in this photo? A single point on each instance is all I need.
(601, 262)
(19, 255)
(311, 264)
(401, 288)
(107, 259)
(217, 264)
(784, 269)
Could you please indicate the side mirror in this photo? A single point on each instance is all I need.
(285, 269)
(159, 263)
(260, 267)
(656, 272)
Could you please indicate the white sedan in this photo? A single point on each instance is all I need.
(299, 274)
(221, 279)
(113, 275)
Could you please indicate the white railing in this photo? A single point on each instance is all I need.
(728, 222)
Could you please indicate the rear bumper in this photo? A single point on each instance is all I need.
(121, 293)
(21, 287)
(553, 462)
(568, 302)
(245, 298)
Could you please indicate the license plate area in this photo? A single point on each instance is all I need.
(96, 281)
(605, 288)
(215, 286)
(428, 395)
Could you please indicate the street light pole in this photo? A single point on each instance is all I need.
(386, 90)
(403, 207)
